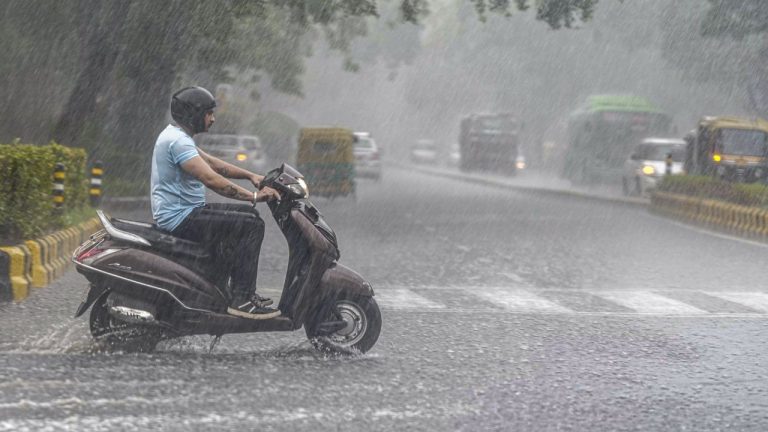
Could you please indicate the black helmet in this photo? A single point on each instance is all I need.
(189, 105)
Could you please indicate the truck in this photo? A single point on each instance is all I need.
(489, 142)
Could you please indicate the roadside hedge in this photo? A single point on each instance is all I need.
(26, 182)
(754, 195)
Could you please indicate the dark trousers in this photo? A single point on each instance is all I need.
(233, 233)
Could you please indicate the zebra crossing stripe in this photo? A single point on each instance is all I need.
(402, 298)
(520, 300)
(646, 302)
(753, 300)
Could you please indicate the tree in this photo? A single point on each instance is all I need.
(121, 60)
(723, 44)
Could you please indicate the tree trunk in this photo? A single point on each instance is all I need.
(103, 22)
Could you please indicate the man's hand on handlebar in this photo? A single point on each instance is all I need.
(266, 194)
(256, 180)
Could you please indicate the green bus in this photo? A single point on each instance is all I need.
(603, 132)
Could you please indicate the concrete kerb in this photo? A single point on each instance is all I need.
(632, 202)
(744, 221)
(37, 262)
(18, 277)
(720, 216)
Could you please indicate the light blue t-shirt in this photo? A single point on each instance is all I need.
(175, 193)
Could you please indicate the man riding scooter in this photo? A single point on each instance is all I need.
(233, 232)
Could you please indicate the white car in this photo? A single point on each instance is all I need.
(647, 164)
(244, 151)
(367, 156)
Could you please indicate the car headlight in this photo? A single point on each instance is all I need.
(241, 157)
(648, 170)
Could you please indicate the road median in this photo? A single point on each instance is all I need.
(513, 184)
(744, 221)
(715, 215)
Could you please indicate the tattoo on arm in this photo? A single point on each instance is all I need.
(230, 191)
(223, 171)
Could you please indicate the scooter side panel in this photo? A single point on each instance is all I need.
(149, 269)
(310, 255)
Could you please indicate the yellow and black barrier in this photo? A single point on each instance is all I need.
(97, 171)
(38, 262)
(59, 177)
(737, 219)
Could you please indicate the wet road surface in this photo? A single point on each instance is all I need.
(502, 311)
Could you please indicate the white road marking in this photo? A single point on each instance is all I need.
(516, 300)
(753, 300)
(645, 302)
(402, 298)
(519, 300)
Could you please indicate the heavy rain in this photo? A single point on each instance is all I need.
(470, 215)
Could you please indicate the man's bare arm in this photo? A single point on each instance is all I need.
(198, 168)
(228, 170)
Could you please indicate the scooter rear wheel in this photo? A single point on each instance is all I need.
(116, 334)
(363, 319)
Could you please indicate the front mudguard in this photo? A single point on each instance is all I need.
(342, 282)
(338, 283)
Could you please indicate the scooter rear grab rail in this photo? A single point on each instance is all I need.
(118, 234)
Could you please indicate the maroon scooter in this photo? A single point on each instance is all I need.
(147, 285)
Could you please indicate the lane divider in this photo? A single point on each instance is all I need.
(38, 262)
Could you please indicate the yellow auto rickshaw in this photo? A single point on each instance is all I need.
(326, 159)
(731, 148)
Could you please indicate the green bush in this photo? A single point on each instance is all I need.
(26, 183)
(754, 195)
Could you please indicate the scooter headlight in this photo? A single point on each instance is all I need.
(300, 188)
(305, 187)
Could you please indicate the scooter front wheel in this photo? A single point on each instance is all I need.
(363, 325)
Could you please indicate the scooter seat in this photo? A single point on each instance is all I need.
(163, 241)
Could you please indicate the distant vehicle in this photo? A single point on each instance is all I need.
(731, 148)
(520, 163)
(602, 132)
(454, 156)
(244, 151)
(326, 158)
(490, 142)
(424, 151)
(647, 164)
(367, 156)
